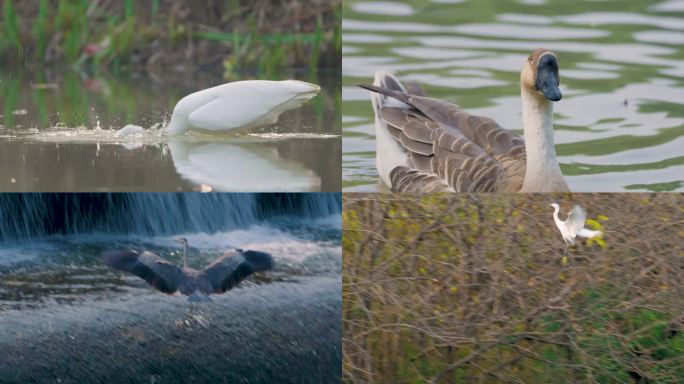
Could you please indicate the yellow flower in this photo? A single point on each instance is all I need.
(595, 225)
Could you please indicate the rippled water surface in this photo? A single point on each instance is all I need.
(58, 133)
(620, 125)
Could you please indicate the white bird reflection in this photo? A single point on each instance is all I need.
(241, 167)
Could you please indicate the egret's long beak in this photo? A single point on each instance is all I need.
(547, 81)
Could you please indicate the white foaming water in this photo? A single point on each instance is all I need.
(328, 222)
(281, 245)
(130, 131)
(287, 249)
(26, 252)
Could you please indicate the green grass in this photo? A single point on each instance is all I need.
(66, 27)
(40, 29)
(11, 25)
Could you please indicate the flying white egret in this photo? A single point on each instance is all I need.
(573, 226)
(218, 277)
(238, 105)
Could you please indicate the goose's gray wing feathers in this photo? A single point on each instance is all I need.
(469, 153)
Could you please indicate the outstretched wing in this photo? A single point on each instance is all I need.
(234, 266)
(158, 272)
(575, 221)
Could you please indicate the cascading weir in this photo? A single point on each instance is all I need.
(34, 215)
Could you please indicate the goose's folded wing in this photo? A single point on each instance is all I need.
(406, 180)
(414, 88)
(234, 266)
(470, 153)
(158, 272)
(482, 131)
(445, 151)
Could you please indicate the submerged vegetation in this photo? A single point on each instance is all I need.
(472, 288)
(233, 34)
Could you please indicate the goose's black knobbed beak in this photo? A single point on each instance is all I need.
(547, 81)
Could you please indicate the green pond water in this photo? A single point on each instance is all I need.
(58, 133)
(620, 124)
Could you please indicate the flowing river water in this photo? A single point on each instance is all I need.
(65, 317)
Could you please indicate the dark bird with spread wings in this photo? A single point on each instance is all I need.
(218, 277)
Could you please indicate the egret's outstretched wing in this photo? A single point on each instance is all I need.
(158, 272)
(230, 269)
(575, 221)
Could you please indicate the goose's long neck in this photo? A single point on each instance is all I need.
(543, 172)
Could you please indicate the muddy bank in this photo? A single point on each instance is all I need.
(284, 332)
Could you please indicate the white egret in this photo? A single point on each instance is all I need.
(573, 225)
(238, 105)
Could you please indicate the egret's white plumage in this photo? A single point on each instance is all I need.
(240, 104)
(573, 226)
(588, 233)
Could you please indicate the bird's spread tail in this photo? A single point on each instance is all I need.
(259, 261)
(589, 234)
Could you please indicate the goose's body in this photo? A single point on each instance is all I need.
(430, 145)
(238, 105)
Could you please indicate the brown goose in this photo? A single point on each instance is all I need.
(430, 145)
